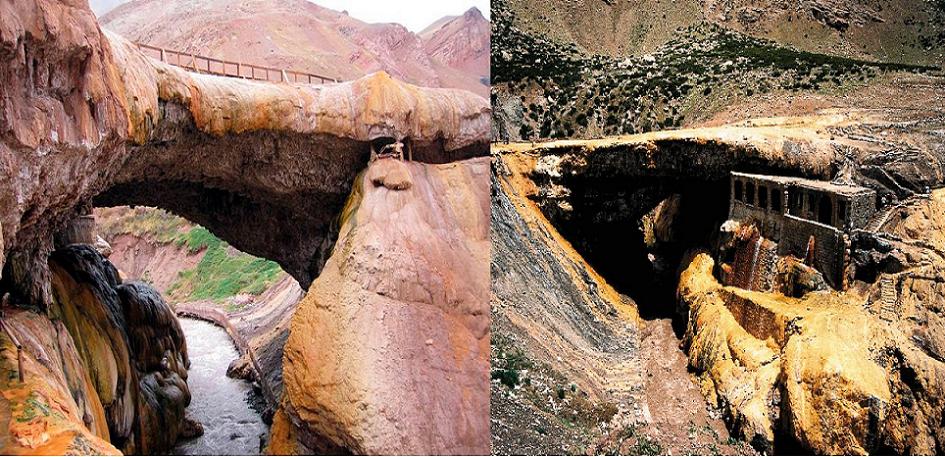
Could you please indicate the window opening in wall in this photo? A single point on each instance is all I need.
(776, 200)
(750, 193)
(825, 212)
(739, 191)
(763, 197)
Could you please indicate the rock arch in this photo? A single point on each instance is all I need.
(265, 166)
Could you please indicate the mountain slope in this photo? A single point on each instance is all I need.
(298, 34)
(461, 43)
(903, 31)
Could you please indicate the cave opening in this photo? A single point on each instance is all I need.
(637, 233)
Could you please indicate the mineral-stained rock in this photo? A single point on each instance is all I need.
(159, 354)
(86, 301)
(56, 410)
(390, 352)
(548, 298)
(403, 300)
(91, 118)
(796, 279)
(834, 373)
(131, 345)
(190, 428)
(550, 305)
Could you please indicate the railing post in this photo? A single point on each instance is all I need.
(285, 77)
(163, 58)
(238, 75)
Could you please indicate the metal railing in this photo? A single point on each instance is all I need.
(209, 65)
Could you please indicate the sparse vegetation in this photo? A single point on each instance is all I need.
(630, 441)
(702, 70)
(222, 272)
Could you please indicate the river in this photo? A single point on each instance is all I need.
(230, 426)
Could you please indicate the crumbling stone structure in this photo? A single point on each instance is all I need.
(809, 219)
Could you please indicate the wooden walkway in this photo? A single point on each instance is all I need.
(209, 65)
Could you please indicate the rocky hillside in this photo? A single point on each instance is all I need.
(910, 31)
(548, 90)
(183, 261)
(301, 35)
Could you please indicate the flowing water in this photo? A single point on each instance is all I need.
(219, 403)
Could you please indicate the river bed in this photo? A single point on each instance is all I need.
(231, 427)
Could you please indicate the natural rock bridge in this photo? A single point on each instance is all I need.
(280, 171)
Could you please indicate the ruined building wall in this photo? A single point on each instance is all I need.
(828, 251)
(862, 208)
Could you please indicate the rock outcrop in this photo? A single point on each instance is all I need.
(91, 118)
(833, 373)
(105, 371)
(551, 306)
(404, 299)
(387, 354)
(132, 347)
(56, 409)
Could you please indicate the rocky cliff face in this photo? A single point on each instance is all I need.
(132, 345)
(549, 305)
(403, 298)
(855, 372)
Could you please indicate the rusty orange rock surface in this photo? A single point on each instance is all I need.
(388, 351)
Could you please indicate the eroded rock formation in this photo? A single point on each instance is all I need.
(800, 367)
(404, 299)
(132, 346)
(857, 372)
(105, 371)
(87, 116)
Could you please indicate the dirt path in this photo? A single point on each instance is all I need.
(682, 422)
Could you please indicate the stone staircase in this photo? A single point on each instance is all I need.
(879, 219)
(889, 299)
